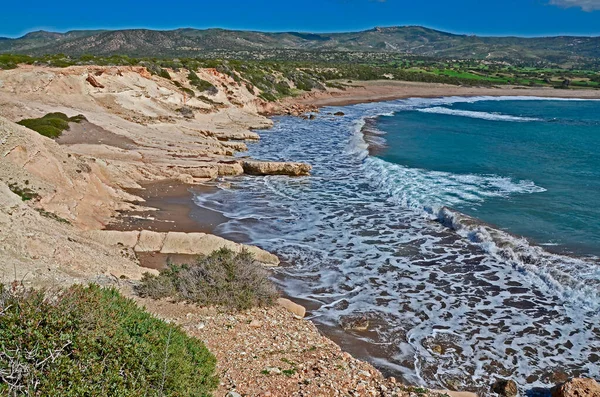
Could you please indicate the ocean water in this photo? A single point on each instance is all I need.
(552, 144)
(464, 229)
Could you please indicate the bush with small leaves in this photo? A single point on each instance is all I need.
(51, 125)
(224, 278)
(90, 341)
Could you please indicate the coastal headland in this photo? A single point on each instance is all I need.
(112, 194)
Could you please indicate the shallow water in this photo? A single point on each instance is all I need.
(451, 300)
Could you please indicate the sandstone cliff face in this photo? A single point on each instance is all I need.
(67, 185)
(134, 133)
(42, 250)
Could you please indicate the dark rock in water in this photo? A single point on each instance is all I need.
(339, 114)
(578, 387)
(312, 117)
(505, 388)
(354, 323)
(538, 392)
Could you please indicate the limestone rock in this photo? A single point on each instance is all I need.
(150, 241)
(230, 168)
(183, 243)
(578, 387)
(296, 309)
(187, 112)
(252, 167)
(94, 83)
(355, 323)
(505, 388)
(113, 237)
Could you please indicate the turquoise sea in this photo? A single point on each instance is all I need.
(553, 144)
(465, 230)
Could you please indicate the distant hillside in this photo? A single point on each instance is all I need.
(405, 40)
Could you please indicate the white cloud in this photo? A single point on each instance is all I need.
(586, 5)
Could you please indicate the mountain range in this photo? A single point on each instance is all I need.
(414, 40)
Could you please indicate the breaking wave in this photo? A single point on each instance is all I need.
(451, 300)
(477, 115)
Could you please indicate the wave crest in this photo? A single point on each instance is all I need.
(477, 115)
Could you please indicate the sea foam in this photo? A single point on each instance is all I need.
(449, 298)
(477, 115)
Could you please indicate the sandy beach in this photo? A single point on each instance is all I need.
(384, 90)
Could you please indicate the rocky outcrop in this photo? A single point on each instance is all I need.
(252, 167)
(290, 109)
(177, 243)
(294, 308)
(94, 83)
(505, 388)
(355, 323)
(67, 185)
(42, 249)
(578, 387)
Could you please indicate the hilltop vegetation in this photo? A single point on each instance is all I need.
(274, 79)
(563, 51)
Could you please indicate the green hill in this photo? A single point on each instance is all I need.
(409, 40)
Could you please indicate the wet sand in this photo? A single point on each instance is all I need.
(173, 210)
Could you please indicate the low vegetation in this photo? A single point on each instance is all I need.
(89, 341)
(224, 278)
(51, 125)
(25, 192)
(201, 85)
(273, 74)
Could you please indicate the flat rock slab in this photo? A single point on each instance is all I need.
(178, 243)
(113, 237)
(150, 241)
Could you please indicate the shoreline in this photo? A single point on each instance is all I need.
(135, 144)
(383, 90)
(346, 341)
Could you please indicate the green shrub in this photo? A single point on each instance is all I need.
(164, 74)
(201, 85)
(51, 125)
(224, 278)
(89, 341)
(25, 193)
(188, 91)
(267, 96)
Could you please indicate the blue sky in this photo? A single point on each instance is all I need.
(483, 17)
